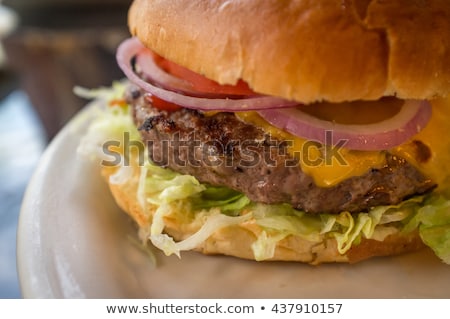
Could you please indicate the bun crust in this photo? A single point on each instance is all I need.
(306, 50)
(237, 240)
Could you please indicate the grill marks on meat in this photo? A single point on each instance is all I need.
(221, 150)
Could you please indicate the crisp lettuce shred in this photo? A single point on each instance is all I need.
(108, 122)
(204, 208)
(433, 220)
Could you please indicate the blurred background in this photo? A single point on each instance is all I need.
(47, 47)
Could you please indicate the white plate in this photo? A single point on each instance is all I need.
(73, 242)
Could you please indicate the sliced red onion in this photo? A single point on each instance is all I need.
(394, 131)
(132, 47)
(158, 76)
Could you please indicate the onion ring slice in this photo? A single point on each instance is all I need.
(158, 76)
(394, 131)
(155, 74)
(132, 47)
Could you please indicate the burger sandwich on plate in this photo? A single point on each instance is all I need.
(310, 131)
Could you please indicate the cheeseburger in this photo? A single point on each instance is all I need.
(309, 131)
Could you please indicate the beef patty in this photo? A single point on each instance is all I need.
(219, 149)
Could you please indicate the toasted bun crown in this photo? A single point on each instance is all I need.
(306, 50)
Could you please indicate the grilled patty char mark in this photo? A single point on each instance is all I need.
(222, 150)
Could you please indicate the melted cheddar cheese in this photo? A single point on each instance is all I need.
(436, 136)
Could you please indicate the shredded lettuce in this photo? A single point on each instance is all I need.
(122, 175)
(116, 91)
(173, 193)
(203, 209)
(212, 224)
(229, 201)
(430, 214)
(433, 221)
(347, 229)
(109, 123)
(264, 246)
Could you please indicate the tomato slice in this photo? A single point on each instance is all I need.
(201, 83)
(161, 104)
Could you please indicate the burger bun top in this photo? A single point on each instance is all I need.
(306, 50)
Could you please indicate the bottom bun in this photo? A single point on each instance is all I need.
(237, 240)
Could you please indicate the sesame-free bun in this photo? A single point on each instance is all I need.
(236, 240)
(333, 50)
